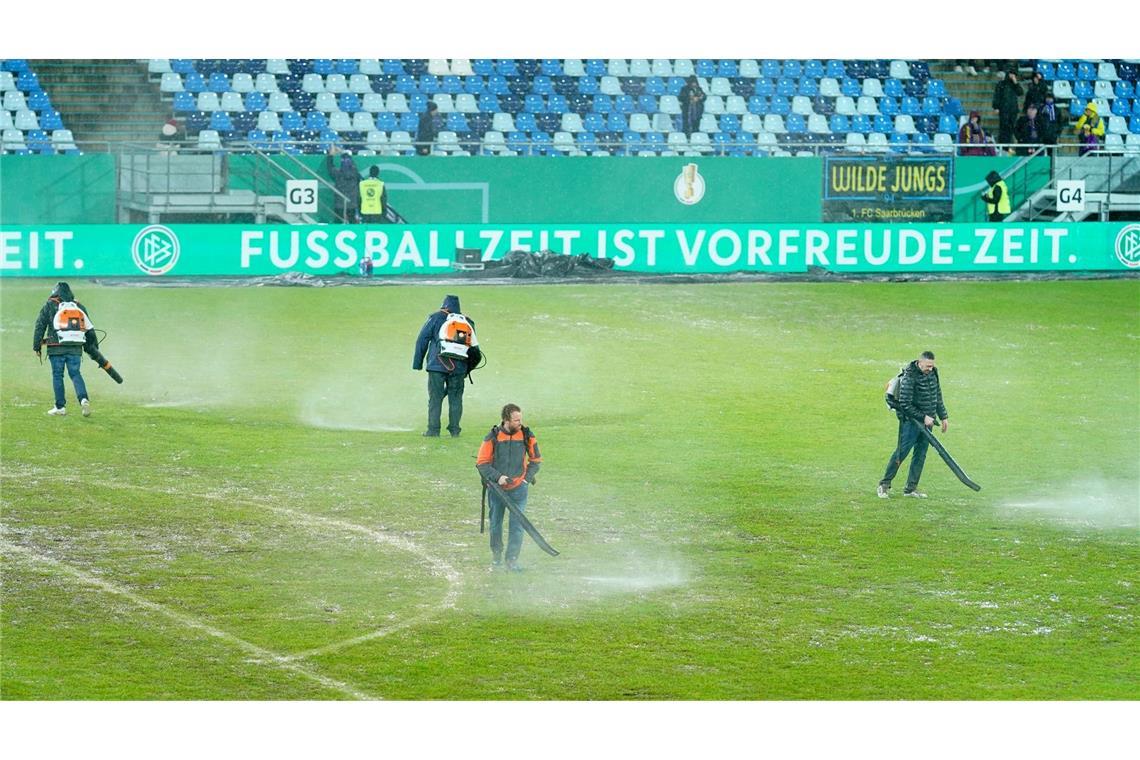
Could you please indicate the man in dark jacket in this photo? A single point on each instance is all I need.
(426, 130)
(919, 402)
(1051, 119)
(1028, 130)
(1006, 97)
(692, 99)
(446, 369)
(1036, 90)
(64, 327)
(508, 457)
(346, 177)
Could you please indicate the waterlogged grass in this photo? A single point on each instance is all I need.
(254, 515)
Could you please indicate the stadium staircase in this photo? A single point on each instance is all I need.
(1103, 175)
(104, 100)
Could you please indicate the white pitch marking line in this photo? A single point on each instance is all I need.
(187, 621)
(439, 567)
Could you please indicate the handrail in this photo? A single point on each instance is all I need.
(1112, 178)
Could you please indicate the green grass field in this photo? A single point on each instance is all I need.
(254, 515)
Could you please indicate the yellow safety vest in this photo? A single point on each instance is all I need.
(1003, 205)
(371, 196)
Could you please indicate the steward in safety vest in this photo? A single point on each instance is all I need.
(373, 197)
(997, 200)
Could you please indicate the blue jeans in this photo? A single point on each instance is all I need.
(449, 384)
(910, 437)
(71, 361)
(515, 533)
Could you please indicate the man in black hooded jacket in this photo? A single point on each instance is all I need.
(65, 328)
(919, 402)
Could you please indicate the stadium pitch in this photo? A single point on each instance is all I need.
(254, 515)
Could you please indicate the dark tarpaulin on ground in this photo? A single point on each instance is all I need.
(524, 264)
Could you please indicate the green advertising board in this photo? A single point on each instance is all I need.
(259, 250)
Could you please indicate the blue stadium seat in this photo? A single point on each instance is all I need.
(795, 123)
(386, 121)
(323, 66)
(349, 102)
(1120, 107)
(542, 84)
(525, 122)
(255, 101)
(787, 86)
(742, 86)
(1086, 71)
(429, 84)
(586, 141)
(193, 82)
(1124, 89)
(893, 88)
(548, 122)
(1045, 69)
(888, 106)
(314, 120)
(814, 69)
(935, 88)
(808, 87)
(823, 105)
(518, 84)
(483, 67)
(655, 86)
(51, 120)
(953, 106)
(632, 86)
(1134, 125)
(181, 66)
(793, 69)
(300, 66)
(728, 68)
(497, 85)
(674, 85)
(451, 84)
(594, 122)
(623, 104)
(489, 103)
(836, 70)
(528, 67)
(218, 82)
(457, 122)
(566, 86)
(900, 143)
(920, 71)
(408, 122)
(729, 122)
(580, 104)
(765, 87)
(196, 121)
(770, 69)
(603, 104)
(882, 123)
(534, 103)
(851, 87)
(596, 67)
(184, 102)
(910, 105)
(948, 124)
(556, 103)
(839, 123)
(1083, 90)
(647, 104)
(780, 105)
(291, 121)
(417, 67)
(418, 102)
(588, 85)
(1066, 70)
(406, 84)
(914, 88)
(475, 85)
(705, 68)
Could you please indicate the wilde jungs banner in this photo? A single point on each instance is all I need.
(888, 189)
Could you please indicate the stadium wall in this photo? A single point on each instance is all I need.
(39, 190)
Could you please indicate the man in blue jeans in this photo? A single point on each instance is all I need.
(448, 344)
(508, 457)
(64, 327)
(919, 402)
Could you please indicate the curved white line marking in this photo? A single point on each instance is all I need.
(262, 655)
(438, 567)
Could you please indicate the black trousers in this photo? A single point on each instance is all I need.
(449, 384)
(910, 437)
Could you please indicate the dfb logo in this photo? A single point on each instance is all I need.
(155, 249)
(1128, 246)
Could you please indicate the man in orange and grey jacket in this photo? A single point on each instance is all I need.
(509, 458)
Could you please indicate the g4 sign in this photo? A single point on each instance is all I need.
(301, 196)
(1070, 195)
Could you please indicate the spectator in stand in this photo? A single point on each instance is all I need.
(1050, 120)
(347, 181)
(427, 130)
(1036, 91)
(692, 99)
(1006, 96)
(1028, 129)
(1089, 129)
(171, 136)
(972, 137)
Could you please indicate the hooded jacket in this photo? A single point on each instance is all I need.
(45, 323)
(427, 343)
(345, 177)
(920, 395)
(1092, 120)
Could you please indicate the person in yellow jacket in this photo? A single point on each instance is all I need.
(373, 197)
(1089, 129)
(997, 199)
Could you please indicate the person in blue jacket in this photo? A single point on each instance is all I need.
(445, 339)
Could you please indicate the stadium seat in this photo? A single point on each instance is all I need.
(1086, 71)
(733, 104)
(1104, 89)
(867, 106)
(170, 82)
(900, 70)
(904, 124)
(209, 140)
(208, 102)
(774, 123)
(818, 124)
(231, 101)
(780, 105)
(873, 88)
(829, 87)
(882, 124)
(339, 121)
(943, 143)
(13, 140)
(855, 142)
(396, 102)
(801, 105)
(877, 142)
(714, 104)
(1117, 125)
(850, 87)
(265, 82)
(279, 101)
(888, 106)
(1066, 71)
(50, 120)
